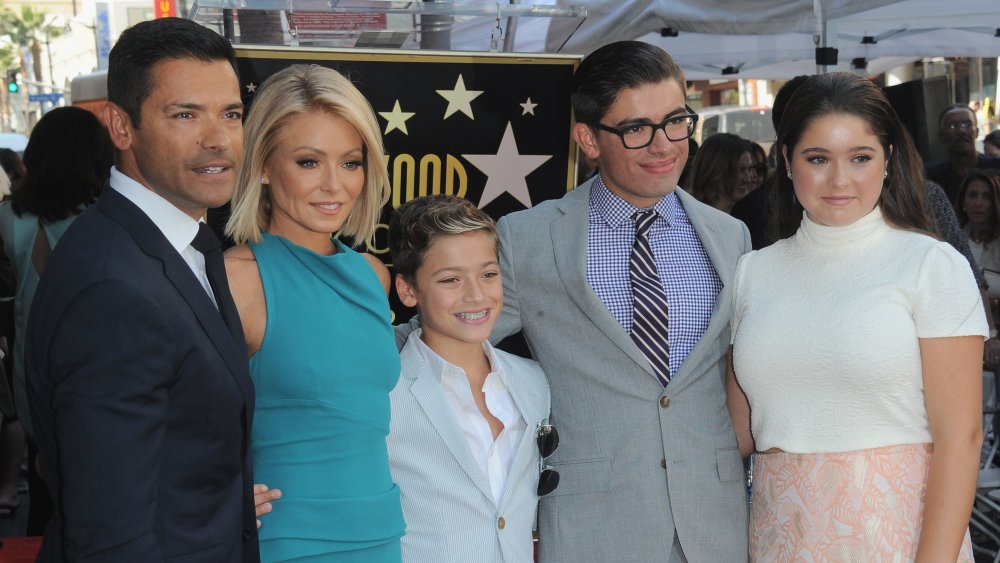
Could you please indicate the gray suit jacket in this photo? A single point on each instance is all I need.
(638, 462)
(450, 513)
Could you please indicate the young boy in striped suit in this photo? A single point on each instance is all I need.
(469, 422)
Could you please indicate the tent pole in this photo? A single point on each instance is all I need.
(819, 34)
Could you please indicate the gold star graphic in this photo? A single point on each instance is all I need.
(459, 99)
(396, 119)
(251, 88)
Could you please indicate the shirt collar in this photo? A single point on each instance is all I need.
(617, 212)
(178, 227)
(438, 364)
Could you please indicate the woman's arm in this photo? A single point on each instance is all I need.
(248, 294)
(380, 270)
(739, 409)
(991, 348)
(952, 374)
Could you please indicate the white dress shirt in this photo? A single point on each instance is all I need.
(178, 227)
(493, 456)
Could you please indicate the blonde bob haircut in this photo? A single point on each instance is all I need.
(296, 90)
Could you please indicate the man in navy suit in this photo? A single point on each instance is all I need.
(136, 362)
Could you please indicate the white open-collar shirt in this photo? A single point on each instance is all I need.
(493, 456)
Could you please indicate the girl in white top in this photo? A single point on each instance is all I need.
(857, 348)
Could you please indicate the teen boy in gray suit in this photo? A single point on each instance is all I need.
(628, 314)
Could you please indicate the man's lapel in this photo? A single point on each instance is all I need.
(533, 410)
(426, 389)
(231, 346)
(724, 262)
(569, 241)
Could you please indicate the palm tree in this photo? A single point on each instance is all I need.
(25, 30)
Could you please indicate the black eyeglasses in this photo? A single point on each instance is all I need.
(640, 135)
(959, 125)
(547, 439)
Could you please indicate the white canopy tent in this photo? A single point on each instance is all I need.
(770, 39)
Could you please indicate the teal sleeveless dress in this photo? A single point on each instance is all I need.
(322, 375)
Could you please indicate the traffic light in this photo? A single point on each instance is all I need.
(12, 86)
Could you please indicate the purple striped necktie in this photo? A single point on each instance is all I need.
(649, 302)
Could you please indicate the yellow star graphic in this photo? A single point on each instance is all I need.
(459, 99)
(396, 119)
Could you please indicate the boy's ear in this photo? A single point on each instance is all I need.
(407, 293)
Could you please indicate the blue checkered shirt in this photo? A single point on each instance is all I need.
(686, 272)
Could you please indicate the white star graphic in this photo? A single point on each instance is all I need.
(251, 88)
(396, 119)
(528, 107)
(459, 99)
(506, 170)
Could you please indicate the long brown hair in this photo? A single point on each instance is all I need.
(992, 180)
(901, 200)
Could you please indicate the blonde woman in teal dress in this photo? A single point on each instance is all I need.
(316, 318)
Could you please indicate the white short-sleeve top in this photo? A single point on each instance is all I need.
(826, 327)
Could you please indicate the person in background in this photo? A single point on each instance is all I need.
(755, 209)
(991, 144)
(724, 171)
(957, 131)
(136, 367)
(979, 214)
(68, 157)
(685, 180)
(11, 433)
(316, 318)
(12, 165)
(857, 347)
(759, 157)
(4, 186)
(469, 425)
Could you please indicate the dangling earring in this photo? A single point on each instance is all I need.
(789, 173)
(886, 175)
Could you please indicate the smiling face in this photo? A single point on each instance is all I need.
(639, 176)
(314, 175)
(977, 203)
(190, 141)
(838, 167)
(457, 292)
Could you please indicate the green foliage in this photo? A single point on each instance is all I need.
(27, 27)
(23, 31)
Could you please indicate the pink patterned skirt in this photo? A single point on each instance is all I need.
(859, 506)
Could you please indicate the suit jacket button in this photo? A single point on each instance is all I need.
(663, 463)
(664, 401)
(501, 523)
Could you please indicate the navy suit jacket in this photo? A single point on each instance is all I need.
(141, 398)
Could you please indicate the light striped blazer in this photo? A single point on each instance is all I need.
(450, 513)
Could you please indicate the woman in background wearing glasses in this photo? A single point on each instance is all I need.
(724, 171)
(759, 157)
